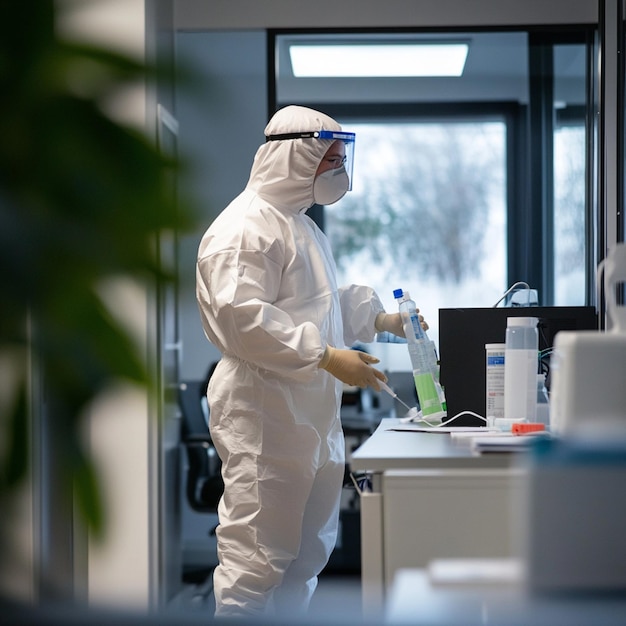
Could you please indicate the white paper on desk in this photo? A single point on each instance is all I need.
(479, 432)
(416, 428)
(506, 443)
(467, 438)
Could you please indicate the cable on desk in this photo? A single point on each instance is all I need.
(419, 418)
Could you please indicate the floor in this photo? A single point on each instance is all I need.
(336, 600)
(338, 595)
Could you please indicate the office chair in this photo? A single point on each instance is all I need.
(204, 485)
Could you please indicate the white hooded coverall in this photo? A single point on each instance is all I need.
(269, 302)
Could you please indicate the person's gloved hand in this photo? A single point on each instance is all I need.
(352, 367)
(392, 323)
(423, 322)
(389, 322)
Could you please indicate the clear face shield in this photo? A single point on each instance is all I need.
(348, 142)
(333, 135)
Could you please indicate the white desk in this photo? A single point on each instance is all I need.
(430, 499)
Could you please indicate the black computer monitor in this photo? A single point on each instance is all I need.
(463, 334)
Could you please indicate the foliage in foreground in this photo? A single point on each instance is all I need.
(83, 199)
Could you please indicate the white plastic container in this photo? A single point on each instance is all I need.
(520, 369)
(588, 394)
(494, 376)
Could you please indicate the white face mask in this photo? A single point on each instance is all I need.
(331, 186)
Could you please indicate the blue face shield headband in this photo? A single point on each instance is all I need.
(347, 138)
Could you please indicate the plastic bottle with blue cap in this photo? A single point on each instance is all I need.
(423, 360)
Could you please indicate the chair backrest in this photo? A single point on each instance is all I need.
(204, 485)
(189, 395)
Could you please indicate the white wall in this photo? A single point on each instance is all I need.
(221, 120)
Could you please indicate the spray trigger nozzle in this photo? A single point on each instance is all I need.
(393, 394)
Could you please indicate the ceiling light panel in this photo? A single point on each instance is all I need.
(377, 60)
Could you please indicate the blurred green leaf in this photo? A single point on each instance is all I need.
(83, 199)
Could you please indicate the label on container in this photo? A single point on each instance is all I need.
(520, 385)
(427, 394)
(494, 399)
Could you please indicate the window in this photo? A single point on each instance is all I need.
(569, 215)
(427, 213)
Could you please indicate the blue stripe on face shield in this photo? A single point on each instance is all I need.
(347, 138)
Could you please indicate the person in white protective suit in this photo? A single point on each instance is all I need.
(269, 302)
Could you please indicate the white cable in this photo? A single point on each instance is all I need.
(420, 418)
(463, 413)
(508, 291)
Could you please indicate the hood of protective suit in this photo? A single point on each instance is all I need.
(283, 171)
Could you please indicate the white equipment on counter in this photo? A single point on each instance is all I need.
(588, 368)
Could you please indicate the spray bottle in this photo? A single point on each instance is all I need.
(423, 360)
